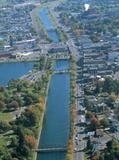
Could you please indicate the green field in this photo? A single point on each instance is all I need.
(3, 141)
(5, 117)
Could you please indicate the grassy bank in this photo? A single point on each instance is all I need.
(61, 34)
(41, 120)
(17, 61)
(39, 23)
(70, 148)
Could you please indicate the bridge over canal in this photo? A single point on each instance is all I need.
(52, 149)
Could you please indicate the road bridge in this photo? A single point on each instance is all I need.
(61, 72)
(51, 150)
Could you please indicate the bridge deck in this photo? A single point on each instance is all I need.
(51, 150)
(61, 71)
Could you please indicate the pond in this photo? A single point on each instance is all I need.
(10, 71)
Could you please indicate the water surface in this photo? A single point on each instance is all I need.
(56, 126)
(61, 65)
(48, 25)
(10, 71)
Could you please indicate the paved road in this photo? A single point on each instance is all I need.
(79, 143)
(79, 156)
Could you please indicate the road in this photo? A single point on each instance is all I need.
(79, 156)
(79, 143)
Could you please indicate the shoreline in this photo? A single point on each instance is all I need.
(16, 61)
(56, 28)
(40, 131)
(70, 147)
(42, 118)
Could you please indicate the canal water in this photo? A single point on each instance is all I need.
(14, 71)
(2, 37)
(61, 65)
(48, 25)
(56, 127)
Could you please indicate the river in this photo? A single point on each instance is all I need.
(14, 71)
(56, 127)
(48, 25)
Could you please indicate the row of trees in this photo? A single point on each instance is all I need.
(72, 108)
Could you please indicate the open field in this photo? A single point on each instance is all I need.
(5, 117)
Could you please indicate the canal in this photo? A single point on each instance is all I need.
(48, 25)
(62, 64)
(56, 127)
(10, 71)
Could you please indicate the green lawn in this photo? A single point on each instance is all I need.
(3, 141)
(6, 117)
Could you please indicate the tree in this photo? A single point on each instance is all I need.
(2, 89)
(5, 154)
(89, 144)
(89, 115)
(31, 141)
(104, 123)
(107, 156)
(117, 87)
(13, 105)
(28, 131)
(28, 100)
(19, 100)
(4, 127)
(101, 156)
(2, 105)
(87, 104)
(23, 151)
(94, 123)
(109, 85)
(109, 145)
(29, 118)
(42, 104)
(95, 157)
(14, 142)
(98, 87)
(113, 97)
